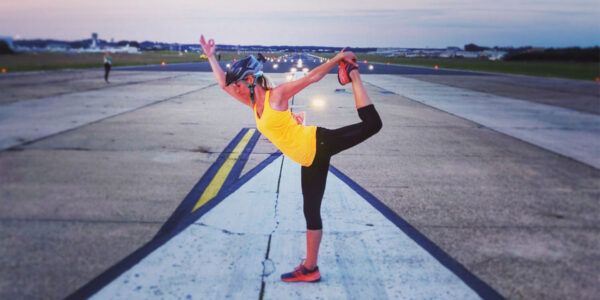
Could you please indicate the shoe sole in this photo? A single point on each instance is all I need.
(308, 278)
(303, 280)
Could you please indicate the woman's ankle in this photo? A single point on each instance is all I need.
(309, 267)
(354, 75)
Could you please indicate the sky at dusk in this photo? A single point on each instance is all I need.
(365, 23)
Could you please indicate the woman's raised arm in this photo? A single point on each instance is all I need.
(209, 49)
(289, 89)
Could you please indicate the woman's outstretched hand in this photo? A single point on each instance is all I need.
(348, 57)
(299, 117)
(208, 47)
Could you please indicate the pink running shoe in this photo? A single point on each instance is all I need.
(344, 72)
(301, 273)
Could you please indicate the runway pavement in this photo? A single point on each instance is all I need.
(99, 181)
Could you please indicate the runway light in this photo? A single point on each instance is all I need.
(305, 70)
(318, 103)
(228, 66)
(162, 63)
(289, 77)
(436, 67)
(370, 67)
(388, 62)
(275, 66)
(4, 71)
(597, 78)
(234, 59)
(294, 70)
(365, 61)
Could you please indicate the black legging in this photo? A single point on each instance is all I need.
(329, 143)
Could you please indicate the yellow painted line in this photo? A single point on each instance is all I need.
(216, 183)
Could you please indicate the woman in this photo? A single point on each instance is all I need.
(310, 146)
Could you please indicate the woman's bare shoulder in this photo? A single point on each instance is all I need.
(276, 99)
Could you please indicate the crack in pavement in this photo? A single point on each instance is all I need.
(267, 263)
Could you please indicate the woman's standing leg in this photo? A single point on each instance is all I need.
(313, 182)
(313, 240)
(314, 179)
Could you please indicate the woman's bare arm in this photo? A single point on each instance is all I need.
(287, 90)
(210, 49)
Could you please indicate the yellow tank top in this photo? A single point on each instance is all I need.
(296, 141)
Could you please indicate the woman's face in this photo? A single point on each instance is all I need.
(241, 88)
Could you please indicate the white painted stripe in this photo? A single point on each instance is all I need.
(222, 254)
(571, 133)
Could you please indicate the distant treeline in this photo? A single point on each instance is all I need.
(577, 54)
(4, 48)
(154, 46)
(39, 43)
(559, 54)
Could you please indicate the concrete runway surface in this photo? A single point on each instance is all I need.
(478, 185)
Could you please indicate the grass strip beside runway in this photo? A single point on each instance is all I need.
(568, 70)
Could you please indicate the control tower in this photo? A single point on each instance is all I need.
(94, 40)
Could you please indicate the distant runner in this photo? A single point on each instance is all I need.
(310, 146)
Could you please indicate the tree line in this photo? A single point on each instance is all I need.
(577, 54)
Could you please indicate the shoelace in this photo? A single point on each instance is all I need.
(298, 270)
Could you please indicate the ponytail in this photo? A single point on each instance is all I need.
(264, 82)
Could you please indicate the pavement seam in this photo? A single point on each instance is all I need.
(157, 150)
(510, 227)
(90, 89)
(223, 230)
(48, 220)
(16, 147)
